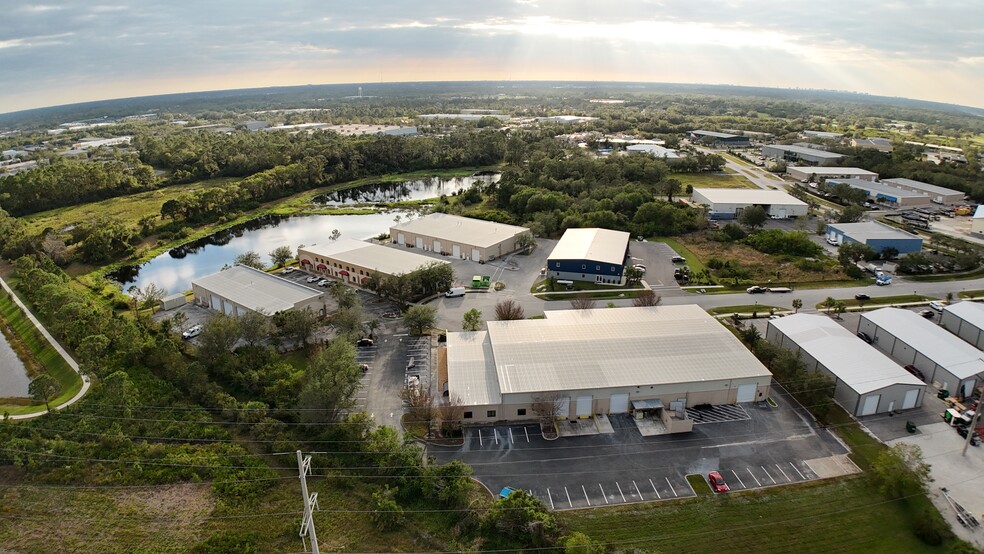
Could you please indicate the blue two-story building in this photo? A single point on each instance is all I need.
(595, 255)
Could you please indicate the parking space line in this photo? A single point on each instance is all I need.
(671, 487)
(527, 431)
(783, 473)
(496, 434)
(654, 489)
(803, 477)
(768, 475)
(480, 443)
(586, 495)
(510, 436)
(757, 483)
(742, 483)
(551, 498)
(620, 493)
(603, 495)
(637, 490)
(568, 497)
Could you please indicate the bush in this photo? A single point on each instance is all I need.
(931, 528)
(228, 542)
(715, 263)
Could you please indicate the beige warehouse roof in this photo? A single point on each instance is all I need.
(462, 230)
(256, 290)
(596, 349)
(749, 196)
(386, 260)
(597, 245)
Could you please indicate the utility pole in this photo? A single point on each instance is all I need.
(310, 504)
(970, 430)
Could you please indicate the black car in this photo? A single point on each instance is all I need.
(862, 296)
(678, 259)
(928, 314)
(864, 336)
(365, 342)
(975, 439)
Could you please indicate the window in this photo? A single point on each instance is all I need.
(584, 266)
(557, 265)
(468, 415)
(521, 411)
(613, 269)
(597, 268)
(490, 413)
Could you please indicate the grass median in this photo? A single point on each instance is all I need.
(881, 300)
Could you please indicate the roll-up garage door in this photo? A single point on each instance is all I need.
(401, 238)
(455, 250)
(437, 246)
(420, 242)
(584, 406)
(214, 301)
(476, 255)
(230, 308)
(746, 393)
(910, 399)
(619, 403)
(870, 405)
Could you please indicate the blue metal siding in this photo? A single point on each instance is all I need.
(586, 267)
(904, 246)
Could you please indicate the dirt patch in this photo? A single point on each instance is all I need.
(185, 505)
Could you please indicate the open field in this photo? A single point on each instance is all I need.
(760, 268)
(712, 180)
(884, 300)
(745, 309)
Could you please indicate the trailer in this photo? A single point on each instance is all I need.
(173, 301)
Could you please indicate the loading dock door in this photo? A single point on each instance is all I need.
(746, 393)
(437, 246)
(584, 406)
(456, 251)
(420, 243)
(968, 388)
(782, 213)
(619, 404)
(910, 399)
(565, 408)
(401, 238)
(870, 405)
(476, 255)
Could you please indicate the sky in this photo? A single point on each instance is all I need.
(67, 51)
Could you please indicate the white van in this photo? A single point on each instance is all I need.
(455, 292)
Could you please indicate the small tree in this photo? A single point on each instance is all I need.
(43, 388)
(647, 298)
(281, 255)
(633, 275)
(900, 471)
(255, 327)
(525, 242)
(851, 214)
(839, 308)
(250, 258)
(419, 319)
(582, 302)
(450, 412)
(508, 310)
(753, 216)
(548, 407)
(797, 304)
(472, 320)
(420, 406)
(371, 327)
(386, 513)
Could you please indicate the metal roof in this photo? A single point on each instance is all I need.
(971, 312)
(749, 196)
(979, 212)
(463, 230)
(655, 150)
(867, 230)
(855, 363)
(941, 347)
(815, 152)
(384, 259)
(715, 134)
(823, 171)
(878, 188)
(597, 245)
(921, 186)
(256, 290)
(597, 349)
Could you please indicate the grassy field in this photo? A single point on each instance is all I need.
(885, 300)
(744, 309)
(42, 351)
(712, 180)
(971, 294)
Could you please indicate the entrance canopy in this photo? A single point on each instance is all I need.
(647, 404)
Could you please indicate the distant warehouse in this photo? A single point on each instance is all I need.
(354, 261)
(895, 197)
(462, 237)
(874, 234)
(655, 150)
(811, 173)
(793, 153)
(595, 255)
(729, 203)
(241, 289)
(866, 381)
(720, 139)
(965, 320)
(938, 195)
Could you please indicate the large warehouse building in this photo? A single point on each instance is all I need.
(660, 360)
(944, 360)
(720, 139)
(793, 153)
(353, 261)
(596, 255)
(807, 173)
(866, 381)
(729, 203)
(938, 195)
(240, 289)
(896, 197)
(462, 237)
(666, 154)
(876, 235)
(965, 320)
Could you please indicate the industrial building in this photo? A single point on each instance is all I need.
(566, 119)
(874, 234)
(823, 135)
(354, 261)
(896, 197)
(938, 195)
(794, 153)
(240, 289)
(461, 237)
(944, 360)
(596, 255)
(808, 173)
(877, 143)
(720, 139)
(605, 361)
(655, 150)
(965, 320)
(464, 116)
(729, 203)
(867, 382)
(977, 222)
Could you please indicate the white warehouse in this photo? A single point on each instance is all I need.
(724, 202)
(965, 320)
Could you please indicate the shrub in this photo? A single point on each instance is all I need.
(228, 541)
(931, 528)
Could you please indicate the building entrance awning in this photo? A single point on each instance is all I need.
(647, 404)
(343, 273)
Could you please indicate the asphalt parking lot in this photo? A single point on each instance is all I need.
(773, 446)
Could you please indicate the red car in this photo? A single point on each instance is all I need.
(717, 482)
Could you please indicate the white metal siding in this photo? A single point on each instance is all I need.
(746, 393)
(910, 399)
(870, 405)
(565, 408)
(968, 387)
(583, 406)
(619, 403)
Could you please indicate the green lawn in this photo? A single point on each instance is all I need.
(712, 180)
(744, 309)
(885, 300)
(971, 294)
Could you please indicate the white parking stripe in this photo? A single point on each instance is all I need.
(586, 495)
(753, 476)
(496, 433)
(637, 490)
(480, 443)
(671, 487)
(783, 473)
(603, 495)
(654, 489)
(551, 498)
(568, 497)
(527, 431)
(768, 475)
(798, 471)
(620, 491)
(739, 479)
(510, 436)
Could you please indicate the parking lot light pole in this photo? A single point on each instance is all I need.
(970, 431)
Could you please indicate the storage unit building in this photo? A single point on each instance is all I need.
(965, 320)
(977, 222)
(793, 153)
(720, 139)
(878, 192)
(938, 195)
(240, 289)
(602, 361)
(173, 301)
(462, 237)
(595, 255)
(945, 361)
(807, 173)
(354, 261)
(729, 203)
(666, 154)
(866, 381)
(876, 235)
